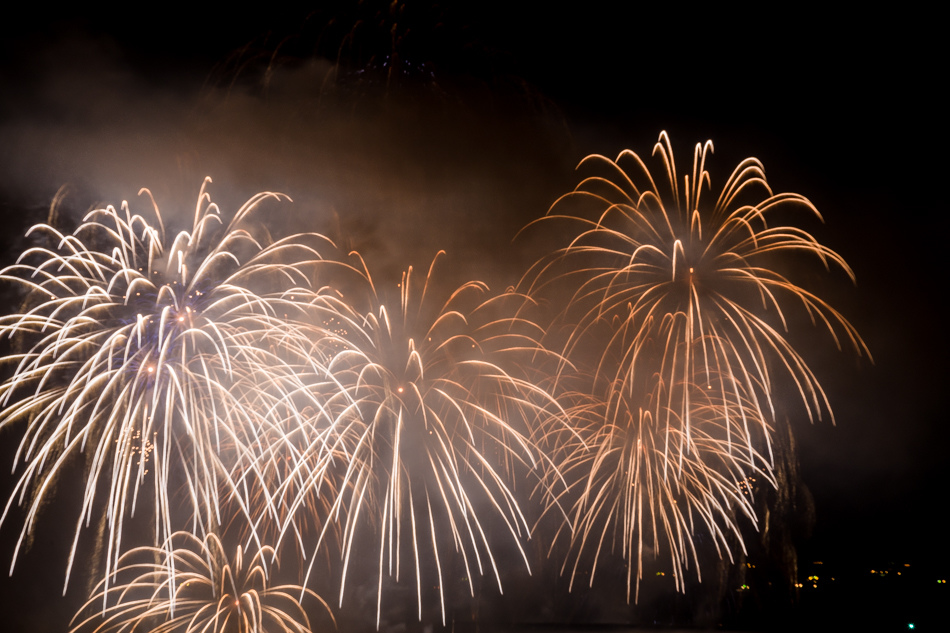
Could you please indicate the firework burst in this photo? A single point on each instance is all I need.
(659, 266)
(644, 483)
(427, 428)
(140, 357)
(676, 306)
(191, 585)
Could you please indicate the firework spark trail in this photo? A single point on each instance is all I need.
(137, 359)
(290, 493)
(190, 585)
(682, 306)
(428, 430)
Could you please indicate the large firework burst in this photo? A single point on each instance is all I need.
(428, 425)
(140, 357)
(680, 308)
(191, 585)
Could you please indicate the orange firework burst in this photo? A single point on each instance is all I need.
(678, 308)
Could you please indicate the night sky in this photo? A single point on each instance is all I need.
(475, 130)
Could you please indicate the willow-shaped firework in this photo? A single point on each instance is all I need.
(191, 585)
(140, 359)
(679, 310)
(428, 426)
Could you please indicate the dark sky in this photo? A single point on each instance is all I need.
(475, 133)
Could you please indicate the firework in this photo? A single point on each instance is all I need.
(155, 364)
(426, 429)
(680, 310)
(191, 585)
(665, 281)
(647, 483)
